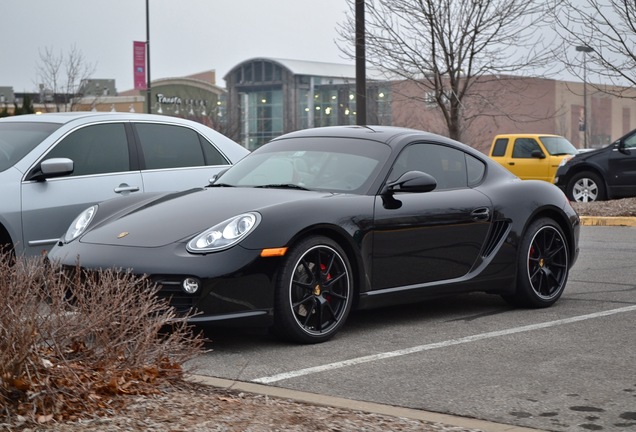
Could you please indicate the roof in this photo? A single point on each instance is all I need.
(319, 69)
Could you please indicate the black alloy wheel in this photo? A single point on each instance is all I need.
(543, 265)
(314, 291)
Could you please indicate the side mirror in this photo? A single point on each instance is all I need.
(216, 176)
(537, 154)
(412, 181)
(49, 168)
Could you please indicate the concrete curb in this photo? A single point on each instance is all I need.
(608, 221)
(370, 407)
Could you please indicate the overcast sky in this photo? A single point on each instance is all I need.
(186, 36)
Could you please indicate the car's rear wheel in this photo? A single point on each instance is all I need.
(314, 291)
(543, 265)
(586, 187)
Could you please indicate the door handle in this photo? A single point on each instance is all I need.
(511, 163)
(480, 214)
(126, 188)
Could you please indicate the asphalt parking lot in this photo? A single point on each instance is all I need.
(566, 368)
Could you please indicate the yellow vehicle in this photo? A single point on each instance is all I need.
(531, 156)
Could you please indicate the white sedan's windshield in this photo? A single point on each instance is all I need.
(19, 138)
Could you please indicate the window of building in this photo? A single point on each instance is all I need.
(264, 117)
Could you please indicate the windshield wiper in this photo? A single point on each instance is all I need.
(282, 186)
(220, 185)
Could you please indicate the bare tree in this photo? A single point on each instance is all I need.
(599, 37)
(443, 47)
(60, 77)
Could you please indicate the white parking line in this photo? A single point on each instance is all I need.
(416, 349)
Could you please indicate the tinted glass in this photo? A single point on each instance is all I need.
(447, 165)
(475, 170)
(630, 141)
(169, 146)
(338, 165)
(558, 146)
(95, 149)
(524, 148)
(18, 139)
(500, 147)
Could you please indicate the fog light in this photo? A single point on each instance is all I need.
(190, 285)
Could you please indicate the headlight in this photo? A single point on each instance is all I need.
(225, 234)
(79, 225)
(565, 160)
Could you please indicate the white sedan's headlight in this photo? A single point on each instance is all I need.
(225, 234)
(78, 226)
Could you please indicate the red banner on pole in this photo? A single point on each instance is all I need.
(139, 64)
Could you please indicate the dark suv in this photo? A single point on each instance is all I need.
(601, 174)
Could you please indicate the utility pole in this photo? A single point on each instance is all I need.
(361, 79)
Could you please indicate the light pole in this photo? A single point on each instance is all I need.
(148, 91)
(584, 49)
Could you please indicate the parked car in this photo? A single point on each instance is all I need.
(597, 175)
(531, 156)
(52, 166)
(322, 220)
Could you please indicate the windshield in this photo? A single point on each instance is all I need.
(19, 138)
(342, 165)
(558, 146)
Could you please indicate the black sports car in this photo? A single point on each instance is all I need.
(320, 221)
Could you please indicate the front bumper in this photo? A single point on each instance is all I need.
(235, 286)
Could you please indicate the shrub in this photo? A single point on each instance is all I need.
(69, 345)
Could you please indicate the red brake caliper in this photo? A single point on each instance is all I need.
(322, 269)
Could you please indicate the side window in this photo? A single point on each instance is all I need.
(95, 149)
(475, 170)
(212, 155)
(447, 165)
(169, 146)
(500, 147)
(630, 141)
(524, 148)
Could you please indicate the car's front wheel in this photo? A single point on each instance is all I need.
(314, 291)
(543, 265)
(586, 187)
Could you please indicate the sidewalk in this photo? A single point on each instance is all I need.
(451, 422)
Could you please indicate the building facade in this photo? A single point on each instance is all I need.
(268, 97)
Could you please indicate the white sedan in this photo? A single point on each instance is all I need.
(52, 166)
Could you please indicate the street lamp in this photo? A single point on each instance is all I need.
(584, 49)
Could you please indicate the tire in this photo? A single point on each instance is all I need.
(543, 265)
(586, 187)
(314, 291)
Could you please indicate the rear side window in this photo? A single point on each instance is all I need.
(171, 146)
(500, 147)
(475, 170)
(96, 149)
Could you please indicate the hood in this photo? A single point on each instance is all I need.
(178, 217)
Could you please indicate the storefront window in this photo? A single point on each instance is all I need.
(264, 117)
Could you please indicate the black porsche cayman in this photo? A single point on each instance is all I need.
(320, 221)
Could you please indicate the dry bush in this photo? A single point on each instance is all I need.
(70, 344)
